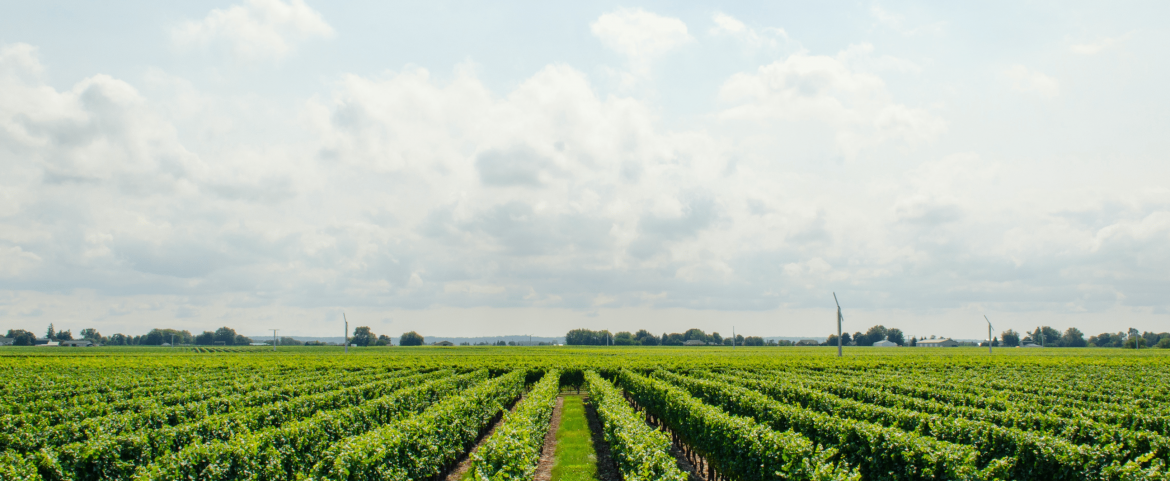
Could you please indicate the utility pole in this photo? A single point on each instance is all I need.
(1041, 334)
(274, 338)
(733, 337)
(988, 333)
(839, 319)
(346, 332)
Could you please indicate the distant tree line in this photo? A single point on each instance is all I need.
(874, 334)
(156, 337)
(1045, 336)
(586, 337)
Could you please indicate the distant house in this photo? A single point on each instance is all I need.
(694, 342)
(885, 343)
(42, 342)
(937, 343)
(7, 341)
(76, 343)
(1028, 344)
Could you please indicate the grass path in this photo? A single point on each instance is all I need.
(576, 459)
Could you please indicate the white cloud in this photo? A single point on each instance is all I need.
(829, 91)
(897, 22)
(258, 29)
(638, 33)
(1102, 44)
(640, 36)
(1024, 80)
(726, 25)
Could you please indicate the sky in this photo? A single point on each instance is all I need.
(495, 168)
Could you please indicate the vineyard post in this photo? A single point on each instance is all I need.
(733, 336)
(346, 332)
(274, 339)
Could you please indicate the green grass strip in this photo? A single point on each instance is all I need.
(575, 458)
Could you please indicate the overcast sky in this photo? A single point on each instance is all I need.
(489, 168)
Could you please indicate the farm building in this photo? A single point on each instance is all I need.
(77, 343)
(885, 343)
(937, 343)
(7, 341)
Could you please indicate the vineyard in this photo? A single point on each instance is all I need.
(663, 414)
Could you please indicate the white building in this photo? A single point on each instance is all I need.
(885, 343)
(937, 343)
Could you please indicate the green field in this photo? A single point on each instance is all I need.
(752, 413)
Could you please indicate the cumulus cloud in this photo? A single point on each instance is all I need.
(640, 36)
(1030, 81)
(256, 30)
(853, 103)
(638, 33)
(436, 195)
(898, 23)
(1098, 46)
(727, 25)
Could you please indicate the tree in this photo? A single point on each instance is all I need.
(857, 338)
(695, 335)
(154, 338)
(645, 338)
(1045, 336)
(384, 340)
(585, 337)
(21, 337)
(226, 335)
(158, 337)
(118, 339)
(753, 341)
(92, 335)
(1073, 337)
(896, 336)
(363, 336)
(1010, 338)
(65, 335)
(50, 334)
(832, 340)
(846, 339)
(410, 339)
(242, 340)
(874, 334)
(1164, 343)
(914, 341)
(674, 339)
(624, 338)
(1106, 339)
(205, 339)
